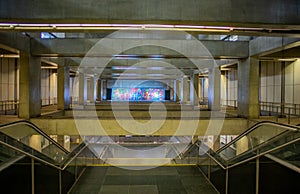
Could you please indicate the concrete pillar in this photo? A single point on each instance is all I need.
(248, 88)
(181, 90)
(242, 145)
(175, 91)
(63, 87)
(178, 96)
(216, 141)
(103, 88)
(92, 90)
(35, 142)
(30, 86)
(82, 89)
(185, 89)
(98, 90)
(95, 88)
(214, 89)
(194, 89)
(201, 91)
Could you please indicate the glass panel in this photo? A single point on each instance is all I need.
(28, 135)
(261, 134)
(290, 154)
(8, 155)
(218, 176)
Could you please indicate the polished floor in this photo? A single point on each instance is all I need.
(159, 180)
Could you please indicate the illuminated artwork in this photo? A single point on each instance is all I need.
(138, 94)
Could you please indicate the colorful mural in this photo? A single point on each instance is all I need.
(138, 94)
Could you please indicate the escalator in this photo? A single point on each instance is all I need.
(32, 162)
(263, 159)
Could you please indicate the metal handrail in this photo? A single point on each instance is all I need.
(256, 156)
(37, 130)
(9, 105)
(287, 127)
(291, 128)
(63, 164)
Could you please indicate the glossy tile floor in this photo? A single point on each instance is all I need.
(113, 180)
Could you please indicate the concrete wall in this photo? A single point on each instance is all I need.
(67, 126)
(9, 87)
(203, 88)
(229, 83)
(48, 86)
(292, 82)
(262, 13)
(270, 82)
(74, 89)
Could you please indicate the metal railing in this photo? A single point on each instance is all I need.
(9, 107)
(218, 161)
(230, 103)
(48, 101)
(70, 167)
(280, 110)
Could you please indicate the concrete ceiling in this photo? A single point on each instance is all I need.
(277, 14)
(235, 17)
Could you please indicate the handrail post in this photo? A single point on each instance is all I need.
(257, 176)
(277, 113)
(289, 115)
(226, 181)
(59, 181)
(32, 176)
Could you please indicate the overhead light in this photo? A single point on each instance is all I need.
(287, 59)
(48, 67)
(70, 27)
(9, 56)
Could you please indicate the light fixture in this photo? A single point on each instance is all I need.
(72, 27)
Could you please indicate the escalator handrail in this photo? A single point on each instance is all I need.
(227, 166)
(263, 153)
(71, 157)
(63, 164)
(255, 126)
(33, 126)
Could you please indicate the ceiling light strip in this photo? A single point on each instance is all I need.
(69, 27)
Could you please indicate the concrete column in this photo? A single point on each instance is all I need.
(178, 96)
(63, 87)
(214, 89)
(82, 89)
(217, 144)
(35, 142)
(98, 90)
(175, 91)
(248, 88)
(30, 86)
(92, 90)
(103, 88)
(186, 90)
(194, 89)
(95, 89)
(172, 92)
(200, 92)
(242, 145)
